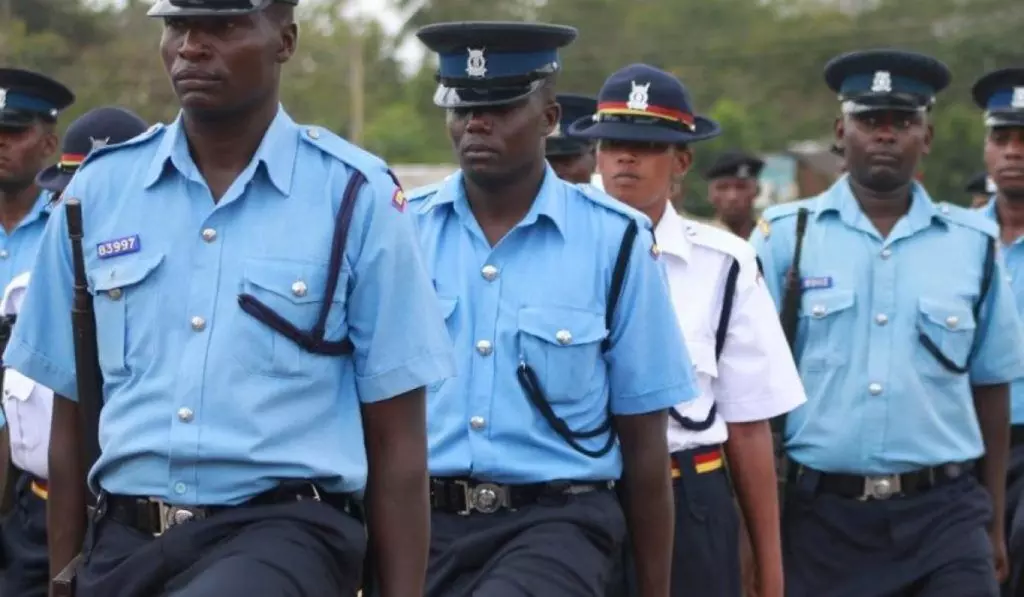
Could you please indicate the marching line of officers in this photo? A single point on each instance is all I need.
(316, 384)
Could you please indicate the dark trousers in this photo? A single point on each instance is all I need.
(24, 539)
(297, 549)
(706, 553)
(1015, 520)
(933, 544)
(556, 550)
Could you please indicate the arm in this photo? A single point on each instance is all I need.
(65, 507)
(992, 404)
(397, 492)
(647, 498)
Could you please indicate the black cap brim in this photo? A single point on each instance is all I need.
(471, 97)
(164, 8)
(561, 147)
(586, 128)
(16, 119)
(53, 179)
(1005, 119)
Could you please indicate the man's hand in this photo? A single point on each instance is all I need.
(1000, 557)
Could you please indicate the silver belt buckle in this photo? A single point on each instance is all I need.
(881, 487)
(172, 516)
(485, 498)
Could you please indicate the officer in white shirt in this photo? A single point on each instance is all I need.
(644, 127)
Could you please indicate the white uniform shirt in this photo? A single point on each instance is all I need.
(755, 379)
(27, 405)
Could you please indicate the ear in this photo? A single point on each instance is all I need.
(929, 135)
(50, 143)
(839, 126)
(683, 161)
(289, 42)
(552, 114)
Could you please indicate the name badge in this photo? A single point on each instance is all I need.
(816, 283)
(118, 246)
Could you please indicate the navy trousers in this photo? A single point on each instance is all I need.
(934, 544)
(297, 549)
(24, 540)
(1015, 522)
(542, 550)
(706, 553)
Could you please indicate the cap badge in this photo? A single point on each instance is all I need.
(3, 98)
(476, 64)
(99, 143)
(1016, 103)
(743, 171)
(882, 83)
(638, 97)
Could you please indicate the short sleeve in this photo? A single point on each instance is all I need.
(999, 353)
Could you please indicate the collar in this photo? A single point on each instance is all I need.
(839, 199)
(671, 234)
(276, 153)
(550, 201)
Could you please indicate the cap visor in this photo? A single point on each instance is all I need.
(562, 147)
(163, 8)
(53, 179)
(468, 97)
(16, 119)
(1005, 119)
(586, 128)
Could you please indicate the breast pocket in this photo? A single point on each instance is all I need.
(28, 417)
(295, 291)
(447, 306)
(827, 322)
(563, 346)
(945, 326)
(117, 288)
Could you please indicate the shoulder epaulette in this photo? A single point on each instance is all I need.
(723, 241)
(969, 218)
(610, 203)
(140, 139)
(423, 193)
(352, 155)
(784, 210)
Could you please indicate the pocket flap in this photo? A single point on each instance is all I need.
(447, 306)
(293, 280)
(822, 303)
(123, 273)
(947, 314)
(562, 326)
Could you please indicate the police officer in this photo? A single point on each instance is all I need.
(29, 405)
(232, 436)
(557, 307)
(1001, 95)
(572, 159)
(645, 128)
(981, 188)
(732, 189)
(908, 336)
(29, 106)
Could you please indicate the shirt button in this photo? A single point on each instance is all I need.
(563, 337)
(886, 253)
(185, 414)
(818, 310)
(484, 347)
(180, 488)
(477, 423)
(198, 323)
(114, 293)
(299, 288)
(4, 254)
(881, 319)
(489, 272)
(952, 321)
(209, 234)
(875, 389)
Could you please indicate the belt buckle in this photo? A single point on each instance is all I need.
(172, 516)
(487, 498)
(881, 487)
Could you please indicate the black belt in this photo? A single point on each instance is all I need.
(464, 496)
(880, 487)
(153, 516)
(1016, 435)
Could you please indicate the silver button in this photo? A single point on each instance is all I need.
(114, 293)
(4, 254)
(489, 272)
(299, 288)
(875, 389)
(209, 234)
(886, 253)
(484, 347)
(944, 208)
(185, 414)
(180, 488)
(313, 133)
(952, 321)
(563, 337)
(477, 423)
(818, 310)
(198, 323)
(881, 319)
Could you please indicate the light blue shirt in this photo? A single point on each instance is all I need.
(203, 403)
(18, 247)
(539, 296)
(1013, 256)
(877, 401)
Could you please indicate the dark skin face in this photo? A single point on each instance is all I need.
(640, 174)
(221, 66)
(1004, 160)
(574, 168)
(733, 198)
(23, 153)
(882, 148)
(500, 145)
